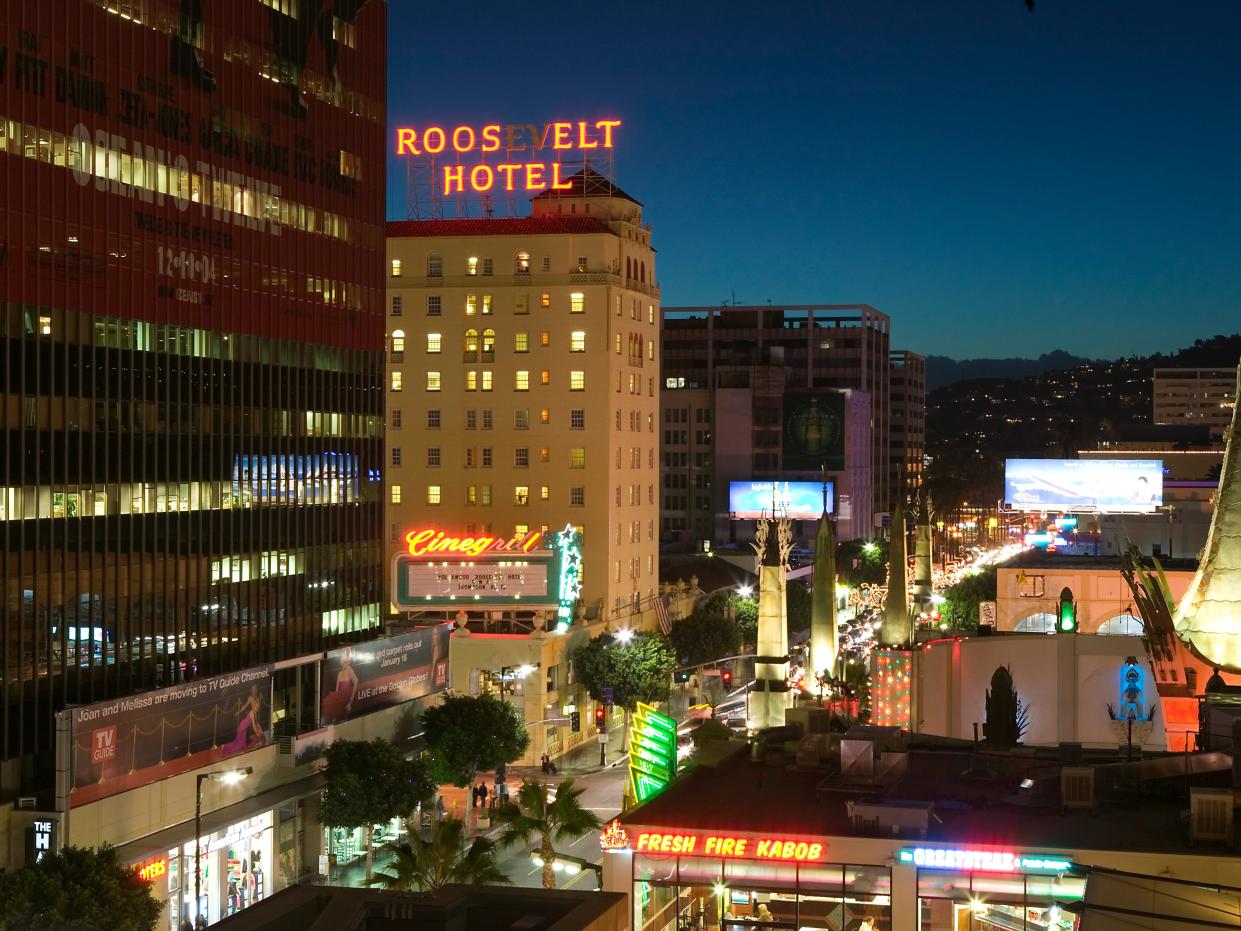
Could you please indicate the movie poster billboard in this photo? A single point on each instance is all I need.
(1123, 486)
(128, 742)
(365, 677)
(794, 500)
(814, 431)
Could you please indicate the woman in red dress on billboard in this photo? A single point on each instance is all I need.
(249, 725)
(338, 704)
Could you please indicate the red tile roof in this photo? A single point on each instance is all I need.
(498, 226)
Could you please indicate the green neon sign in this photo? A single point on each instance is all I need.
(652, 752)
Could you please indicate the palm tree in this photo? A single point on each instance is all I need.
(550, 821)
(425, 865)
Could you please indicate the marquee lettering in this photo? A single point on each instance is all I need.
(431, 542)
(729, 845)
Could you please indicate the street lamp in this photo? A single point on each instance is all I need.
(228, 777)
(624, 636)
(745, 591)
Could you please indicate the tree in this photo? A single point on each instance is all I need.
(369, 783)
(1007, 718)
(77, 889)
(745, 610)
(469, 734)
(536, 818)
(961, 601)
(426, 865)
(640, 670)
(704, 638)
(710, 730)
(800, 603)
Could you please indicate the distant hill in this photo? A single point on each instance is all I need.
(940, 370)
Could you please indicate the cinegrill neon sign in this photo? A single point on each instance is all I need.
(508, 174)
(431, 542)
(985, 861)
(729, 845)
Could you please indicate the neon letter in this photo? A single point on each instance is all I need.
(581, 137)
(479, 171)
(560, 135)
(452, 173)
(605, 125)
(531, 540)
(557, 184)
(456, 139)
(491, 137)
(407, 141)
(417, 541)
(507, 170)
(534, 176)
(511, 132)
(434, 132)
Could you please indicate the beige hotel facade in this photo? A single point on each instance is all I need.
(523, 383)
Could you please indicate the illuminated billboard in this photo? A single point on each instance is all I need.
(814, 431)
(1133, 486)
(795, 500)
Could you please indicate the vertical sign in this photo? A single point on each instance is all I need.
(652, 752)
(569, 562)
(39, 840)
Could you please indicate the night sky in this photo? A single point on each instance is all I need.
(999, 182)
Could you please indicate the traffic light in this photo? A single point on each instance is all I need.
(726, 677)
(1066, 620)
(601, 717)
(575, 721)
(682, 675)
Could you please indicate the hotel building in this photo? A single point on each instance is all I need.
(192, 422)
(1187, 396)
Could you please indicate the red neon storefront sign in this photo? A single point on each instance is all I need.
(736, 846)
(431, 542)
(153, 869)
(509, 174)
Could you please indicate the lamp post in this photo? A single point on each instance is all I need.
(228, 777)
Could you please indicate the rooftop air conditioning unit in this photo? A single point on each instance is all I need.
(27, 802)
(1210, 815)
(1077, 789)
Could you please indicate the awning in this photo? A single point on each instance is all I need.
(1120, 901)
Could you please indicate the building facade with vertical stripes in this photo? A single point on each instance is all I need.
(191, 404)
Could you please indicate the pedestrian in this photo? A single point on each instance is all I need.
(545, 763)
(482, 794)
(474, 797)
(551, 768)
(200, 923)
(764, 913)
(185, 924)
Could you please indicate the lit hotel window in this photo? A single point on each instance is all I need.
(45, 326)
(521, 495)
(486, 303)
(471, 265)
(545, 416)
(487, 381)
(395, 384)
(522, 381)
(471, 305)
(398, 345)
(546, 299)
(545, 377)
(434, 341)
(618, 344)
(471, 494)
(484, 495)
(396, 268)
(577, 381)
(577, 303)
(433, 381)
(521, 263)
(577, 341)
(433, 494)
(545, 339)
(471, 381)
(545, 454)
(545, 493)
(395, 492)
(577, 457)
(521, 342)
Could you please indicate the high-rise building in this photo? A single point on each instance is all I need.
(908, 428)
(739, 382)
(190, 478)
(1184, 397)
(523, 382)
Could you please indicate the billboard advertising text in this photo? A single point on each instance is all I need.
(794, 500)
(1133, 486)
(814, 431)
(364, 677)
(129, 742)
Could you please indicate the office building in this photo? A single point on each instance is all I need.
(1185, 396)
(908, 432)
(190, 484)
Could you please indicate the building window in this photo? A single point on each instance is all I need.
(471, 305)
(396, 418)
(486, 304)
(471, 265)
(433, 419)
(471, 419)
(577, 419)
(521, 419)
(471, 381)
(487, 418)
(471, 494)
(484, 495)
(434, 342)
(581, 263)
(545, 454)
(435, 265)
(470, 351)
(650, 313)
(521, 342)
(487, 380)
(487, 266)
(396, 455)
(545, 416)
(577, 457)
(396, 268)
(577, 381)
(433, 494)
(577, 303)
(577, 341)
(394, 381)
(489, 345)
(650, 351)
(577, 496)
(618, 344)
(545, 493)
(545, 339)
(547, 263)
(521, 457)
(546, 299)
(433, 381)
(396, 306)
(398, 345)
(545, 377)
(521, 381)
(486, 457)
(435, 305)
(521, 263)
(522, 304)
(394, 494)
(521, 495)
(470, 460)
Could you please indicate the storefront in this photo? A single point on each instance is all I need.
(348, 844)
(681, 880)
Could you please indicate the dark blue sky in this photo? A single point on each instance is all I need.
(999, 182)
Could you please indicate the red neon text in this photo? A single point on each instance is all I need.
(428, 542)
(518, 137)
(484, 177)
(153, 869)
(729, 845)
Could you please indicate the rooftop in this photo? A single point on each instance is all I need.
(1066, 562)
(497, 226)
(586, 183)
(976, 796)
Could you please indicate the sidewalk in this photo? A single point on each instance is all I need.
(583, 759)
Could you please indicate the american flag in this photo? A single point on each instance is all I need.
(661, 610)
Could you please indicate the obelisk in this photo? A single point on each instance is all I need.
(896, 626)
(923, 587)
(769, 698)
(823, 647)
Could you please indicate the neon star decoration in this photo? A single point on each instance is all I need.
(568, 548)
